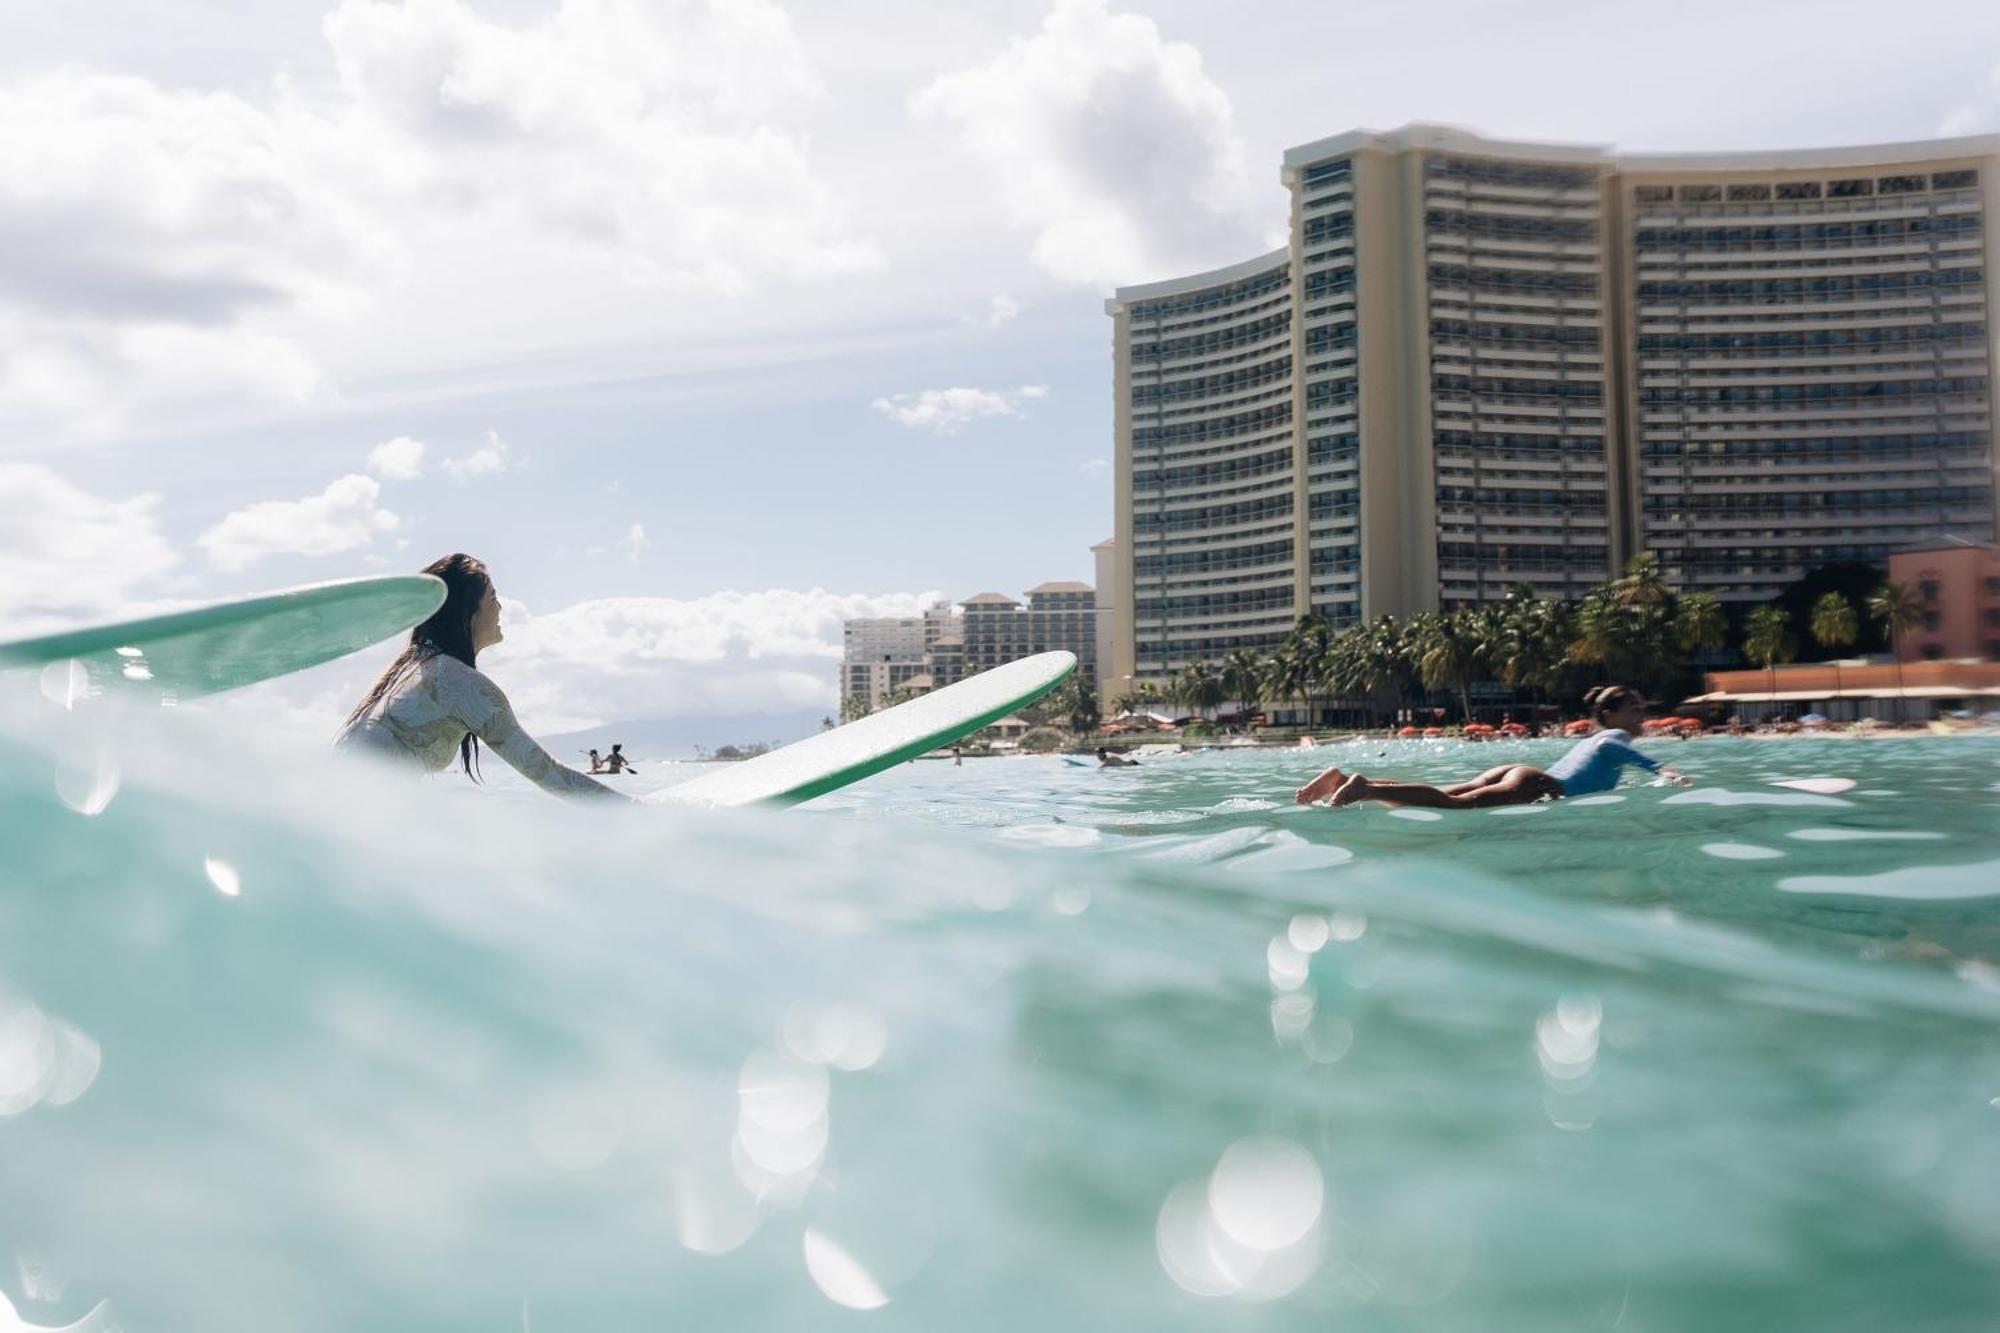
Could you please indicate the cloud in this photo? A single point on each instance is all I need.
(635, 543)
(340, 518)
(947, 411)
(400, 459)
(67, 555)
(166, 248)
(1094, 467)
(1002, 309)
(1110, 142)
(487, 460)
(617, 659)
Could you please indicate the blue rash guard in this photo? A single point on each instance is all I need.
(1593, 765)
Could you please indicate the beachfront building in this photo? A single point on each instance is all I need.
(1849, 691)
(879, 656)
(1957, 585)
(886, 656)
(1479, 364)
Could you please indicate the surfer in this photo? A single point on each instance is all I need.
(596, 764)
(433, 701)
(1592, 765)
(616, 762)
(1109, 760)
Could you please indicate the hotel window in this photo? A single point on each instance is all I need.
(1929, 589)
(1900, 185)
(1955, 180)
(1799, 190)
(1653, 194)
(1701, 194)
(1851, 189)
(1748, 193)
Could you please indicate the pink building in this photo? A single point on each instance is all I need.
(1958, 585)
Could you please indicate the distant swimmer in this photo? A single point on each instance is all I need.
(433, 701)
(1592, 765)
(616, 762)
(596, 764)
(1110, 760)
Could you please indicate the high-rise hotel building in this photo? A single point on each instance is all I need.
(1478, 364)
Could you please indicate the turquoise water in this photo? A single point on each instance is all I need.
(1017, 1044)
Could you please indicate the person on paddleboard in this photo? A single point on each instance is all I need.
(1594, 764)
(433, 701)
(616, 762)
(1110, 760)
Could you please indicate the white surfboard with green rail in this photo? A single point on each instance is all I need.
(224, 645)
(833, 759)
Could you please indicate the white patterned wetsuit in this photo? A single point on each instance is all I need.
(431, 709)
(1594, 763)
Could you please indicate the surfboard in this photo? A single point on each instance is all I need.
(228, 644)
(833, 759)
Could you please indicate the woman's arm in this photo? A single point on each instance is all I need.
(483, 708)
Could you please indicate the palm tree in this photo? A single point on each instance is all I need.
(1896, 610)
(1768, 639)
(1701, 623)
(1445, 653)
(1201, 687)
(1077, 701)
(1243, 678)
(1641, 584)
(1835, 625)
(1284, 674)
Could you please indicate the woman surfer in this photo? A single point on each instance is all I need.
(433, 701)
(1592, 765)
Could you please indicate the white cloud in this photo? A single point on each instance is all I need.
(1094, 467)
(167, 248)
(67, 555)
(340, 518)
(1110, 142)
(635, 543)
(636, 657)
(947, 411)
(400, 459)
(999, 311)
(487, 460)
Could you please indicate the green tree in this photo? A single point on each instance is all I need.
(1895, 608)
(1835, 625)
(1767, 639)
(1446, 651)
(1641, 584)
(1201, 687)
(1243, 678)
(1076, 701)
(1700, 622)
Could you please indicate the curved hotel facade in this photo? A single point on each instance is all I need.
(1479, 364)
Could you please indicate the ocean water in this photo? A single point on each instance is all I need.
(286, 1044)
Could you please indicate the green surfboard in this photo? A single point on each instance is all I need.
(228, 644)
(833, 759)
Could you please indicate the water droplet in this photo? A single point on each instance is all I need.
(223, 876)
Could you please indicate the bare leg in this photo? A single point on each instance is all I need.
(1320, 787)
(1486, 779)
(1521, 785)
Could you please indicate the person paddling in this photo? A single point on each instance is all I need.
(1594, 764)
(433, 701)
(616, 761)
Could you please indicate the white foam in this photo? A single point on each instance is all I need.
(1278, 852)
(1418, 816)
(1722, 796)
(1741, 851)
(1934, 883)
(1860, 835)
(1606, 798)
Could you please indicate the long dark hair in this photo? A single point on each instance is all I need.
(447, 633)
(1606, 698)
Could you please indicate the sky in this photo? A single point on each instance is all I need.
(707, 323)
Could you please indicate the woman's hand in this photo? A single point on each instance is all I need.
(1675, 776)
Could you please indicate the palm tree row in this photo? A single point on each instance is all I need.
(1631, 628)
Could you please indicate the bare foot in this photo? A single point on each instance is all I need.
(1352, 790)
(1320, 787)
